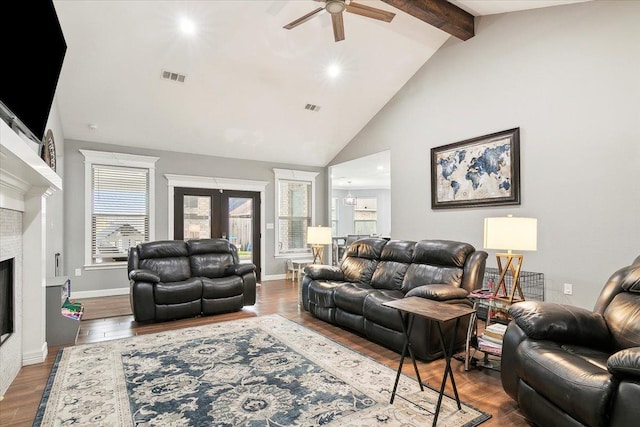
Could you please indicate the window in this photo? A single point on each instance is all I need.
(295, 194)
(365, 216)
(119, 192)
(334, 216)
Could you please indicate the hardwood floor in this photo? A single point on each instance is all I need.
(480, 388)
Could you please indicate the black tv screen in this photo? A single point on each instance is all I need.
(33, 49)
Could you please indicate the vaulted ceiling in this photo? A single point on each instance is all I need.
(252, 90)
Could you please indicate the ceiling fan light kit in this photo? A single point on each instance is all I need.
(335, 9)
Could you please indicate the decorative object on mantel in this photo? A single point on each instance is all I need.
(482, 171)
(257, 371)
(48, 150)
(511, 234)
(318, 237)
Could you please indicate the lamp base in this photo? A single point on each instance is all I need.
(318, 252)
(513, 262)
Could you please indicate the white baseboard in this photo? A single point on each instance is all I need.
(99, 293)
(273, 277)
(35, 356)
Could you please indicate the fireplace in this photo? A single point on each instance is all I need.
(6, 300)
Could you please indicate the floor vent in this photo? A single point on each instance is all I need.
(312, 107)
(174, 77)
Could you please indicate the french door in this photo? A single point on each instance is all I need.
(233, 215)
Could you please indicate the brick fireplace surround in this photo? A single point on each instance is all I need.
(25, 183)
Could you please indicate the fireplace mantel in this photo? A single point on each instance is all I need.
(21, 169)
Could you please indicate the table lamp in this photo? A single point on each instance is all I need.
(510, 234)
(317, 237)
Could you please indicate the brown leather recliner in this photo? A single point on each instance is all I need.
(567, 366)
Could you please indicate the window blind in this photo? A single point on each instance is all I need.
(294, 215)
(120, 211)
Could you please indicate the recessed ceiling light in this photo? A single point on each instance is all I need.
(380, 168)
(333, 70)
(187, 26)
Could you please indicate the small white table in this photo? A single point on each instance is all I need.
(299, 264)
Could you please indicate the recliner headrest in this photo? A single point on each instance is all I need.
(208, 246)
(366, 248)
(162, 249)
(442, 252)
(398, 251)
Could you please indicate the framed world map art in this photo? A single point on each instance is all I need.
(482, 171)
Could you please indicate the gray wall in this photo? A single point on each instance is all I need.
(569, 77)
(169, 163)
(55, 202)
(345, 213)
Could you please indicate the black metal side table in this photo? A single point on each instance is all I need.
(439, 312)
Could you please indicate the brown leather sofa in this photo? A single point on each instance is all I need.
(567, 366)
(173, 279)
(374, 271)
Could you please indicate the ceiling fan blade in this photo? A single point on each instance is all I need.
(338, 26)
(370, 12)
(303, 19)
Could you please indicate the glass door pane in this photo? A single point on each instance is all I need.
(241, 227)
(197, 217)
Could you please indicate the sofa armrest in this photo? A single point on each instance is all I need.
(625, 364)
(323, 272)
(144, 276)
(438, 292)
(239, 269)
(562, 323)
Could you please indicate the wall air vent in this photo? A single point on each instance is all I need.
(174, 77)
(312, 107)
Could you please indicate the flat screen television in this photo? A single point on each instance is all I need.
(33, 49)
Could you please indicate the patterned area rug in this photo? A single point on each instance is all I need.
(264, 371)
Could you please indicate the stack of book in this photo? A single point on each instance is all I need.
(491, 339)
(72, 310)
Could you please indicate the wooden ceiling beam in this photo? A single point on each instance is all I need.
(439, 13)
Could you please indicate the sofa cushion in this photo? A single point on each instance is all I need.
(438, 292)
(445, 253)
(221, 287)
(366, 248)
(389, 275)
(574, 378)
(623, 319)
(358, 270)
(178, 292)
(210, 265)
(382, 315)
(170, 269)
(398, 251)
(163, 249)
(424, 274)
(321, 293)
(350, 297)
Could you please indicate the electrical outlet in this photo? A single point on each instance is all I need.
(568, 289)
(78, 272)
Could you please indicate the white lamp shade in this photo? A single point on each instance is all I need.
(319, 235)
(509, 233)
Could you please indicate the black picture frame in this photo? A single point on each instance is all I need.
(481, 171)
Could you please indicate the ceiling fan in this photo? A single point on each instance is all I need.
(335, 9)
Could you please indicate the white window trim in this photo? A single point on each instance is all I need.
(293, 175)
(107, 158)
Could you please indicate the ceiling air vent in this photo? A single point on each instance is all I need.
(312, 107)
(174, 77)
